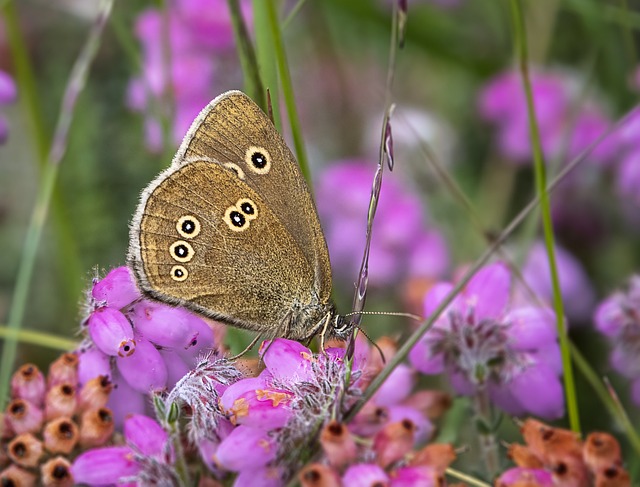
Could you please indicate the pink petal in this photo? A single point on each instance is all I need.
(103, 466)
(488, 291)
(246, 448)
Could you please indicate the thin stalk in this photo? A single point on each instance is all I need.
(264, 54)
(76, 83)
(287, 88)
(456, 474)
(486, 437)
(360, 295)
(292, 13)
(39, 338)
(406, 347)
(602, 391)
(248, 59)
(545, 208)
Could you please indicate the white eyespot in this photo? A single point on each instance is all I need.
(188, 226)
(258, 159)
(181, 251)
(235, 168)
(179, 273)
(235, 219)
(248, 208)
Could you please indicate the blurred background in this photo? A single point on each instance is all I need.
(459, 128)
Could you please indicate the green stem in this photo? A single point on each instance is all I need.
(614, 407)
(287, 88)
(76, 83)
(545, 208)
(253, 83)
(39, 338)
(264, 54)
(488, 443)
(456, 474)
(292, 13)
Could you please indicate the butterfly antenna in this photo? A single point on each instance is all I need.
(270, 106)
(384, 360)
(386, 313)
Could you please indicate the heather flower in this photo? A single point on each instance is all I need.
(618, 318)
(8, 94)
(147, 459)
(66, 417)
(197, 35)
(403, 245)
(556, 456)
(140, 345)
(486, 347)
(566, 129)
(576, 289)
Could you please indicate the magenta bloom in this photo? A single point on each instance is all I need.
(483, 344)
(115, 290)
(564, 129)
(528, 476)
(403, 245)
(365, 475)
(8, 94)
(618, 318)
(577, 292)
(199, 35)
(145, 460)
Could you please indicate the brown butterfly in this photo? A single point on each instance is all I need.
(230, 229)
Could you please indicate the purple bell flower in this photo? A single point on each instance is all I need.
(111, 332)
(116, 290)
(144, 369)
(365, 475)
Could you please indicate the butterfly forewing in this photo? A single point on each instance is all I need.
(204, 239)
(234, 132)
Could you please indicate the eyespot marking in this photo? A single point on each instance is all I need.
(236, 219)
(258, 159)
(179, 273)
(235, 168)
(181, 251)
(188, 226)
(248, 208)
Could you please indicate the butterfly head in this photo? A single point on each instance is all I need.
(341, 327)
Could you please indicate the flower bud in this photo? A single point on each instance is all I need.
(91, 364)
(546, 442)
(370, 419)
(63, 370)
(614, 476)
(14, 476)
(144, 368)
(61, 401)
(245, 448)
(432, 404)
(393, 442)
(56, 473)
(60, 436)
(435, 455)
(522, 456)
(338, 445)
(95, 393)
(117, 289)
(145, 434)
(318, 475)
(96, 427)
(111, 332)
(104, 466)
(164, 325)
(525, 477)
(365, 475)
(28, 383)
(601, 451)
(23, 417)
(25, 450)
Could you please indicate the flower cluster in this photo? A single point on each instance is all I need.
(403, 244)
(390, 459)
(49, 420)
(142, 346)
(488, 347)
(191, 36)
(618, 318)
(8, 94)
(556, 456)
(567, 124)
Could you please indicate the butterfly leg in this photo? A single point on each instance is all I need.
(251, 345)
(325, 326)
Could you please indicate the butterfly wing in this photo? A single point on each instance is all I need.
(234, 132)
(204, 239)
